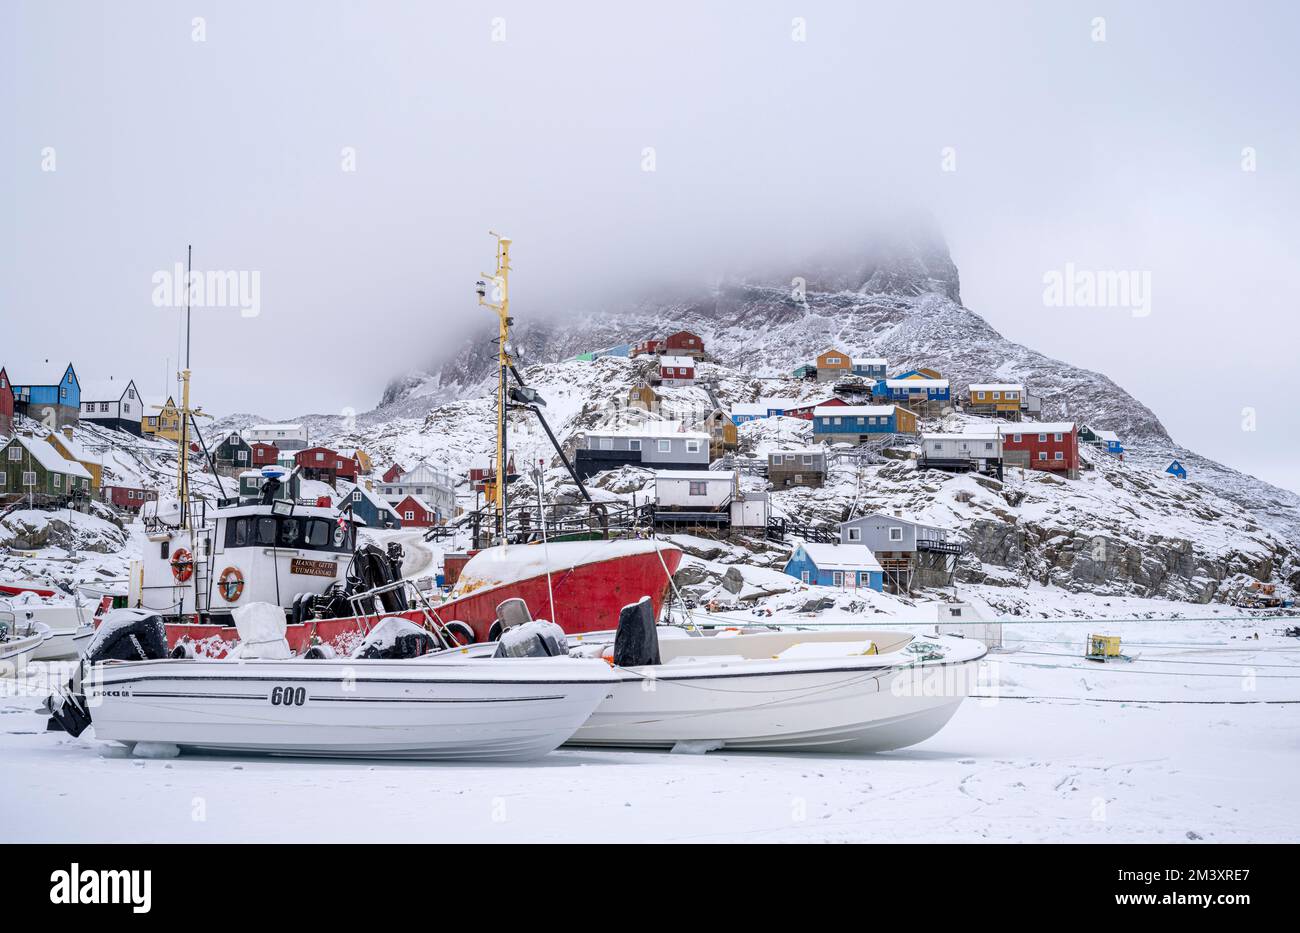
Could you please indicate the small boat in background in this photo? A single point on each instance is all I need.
(18, 587)
(19, 640)
(62, 616)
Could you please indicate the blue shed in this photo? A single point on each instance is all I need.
(913, 389)
(53, 397)
(1177, 469)
(844, 566)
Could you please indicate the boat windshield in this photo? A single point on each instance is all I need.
(307, 534)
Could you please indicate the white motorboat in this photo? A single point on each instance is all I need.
(63, 617)
(828, 691)
(443, 705)
(19, 641)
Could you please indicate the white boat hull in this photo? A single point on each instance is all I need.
(17, 651)
(865, 704)
(434, 708)
(62, 621)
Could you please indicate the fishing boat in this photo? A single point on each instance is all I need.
(19, 640)
(849, 691)
(380, 703)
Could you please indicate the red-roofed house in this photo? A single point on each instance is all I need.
(684, 343)
(392, 474)
(416, 513)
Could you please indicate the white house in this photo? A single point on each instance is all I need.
(694, 496)
(283, 436)
(113, 403)
(433, 488)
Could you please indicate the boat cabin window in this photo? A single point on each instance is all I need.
(288, 532)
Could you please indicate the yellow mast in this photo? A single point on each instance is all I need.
(501, 305)
(183, 452)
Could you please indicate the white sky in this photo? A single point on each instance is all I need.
(1124, 154)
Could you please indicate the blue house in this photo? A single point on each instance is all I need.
(857, 423)
(1177, 469)
(53, 397)
(872, 368)
(624, 349)
(905, 389)
(843, 566)
(374, 511)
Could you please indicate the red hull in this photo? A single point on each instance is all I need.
(17, 589)
(587, 598)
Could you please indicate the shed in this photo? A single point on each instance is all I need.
(837, 565)
(1176, 469)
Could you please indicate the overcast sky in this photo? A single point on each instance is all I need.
(354, 155)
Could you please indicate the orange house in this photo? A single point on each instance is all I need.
(833, 364)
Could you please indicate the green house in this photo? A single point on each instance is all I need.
(29, 465)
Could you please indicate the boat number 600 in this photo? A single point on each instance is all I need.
(288, 696)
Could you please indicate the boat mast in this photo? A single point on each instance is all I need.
(501, 305)
(182, 453)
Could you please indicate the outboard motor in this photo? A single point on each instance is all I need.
(536, 639)
(636, 642)
(395, 639)
(512, 612)
(124, 635)
(372, 567)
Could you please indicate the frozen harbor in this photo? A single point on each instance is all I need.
(1195, 740)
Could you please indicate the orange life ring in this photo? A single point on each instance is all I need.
(230, 585)
(182, 565)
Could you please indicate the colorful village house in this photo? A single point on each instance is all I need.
(6, 404)
(252, 481)
(70, 448)
(233, 455)
(325, 465)
(414, 512)
(1111, 443)
(972, 452)
(798, 466)
(743, 412)
(806, 371)
(872, 368)
(846, 568)
(833, 364)
(31, 466)
(651, 347)
(162, 419)
(804, 410)
(677, 370)
(1052, 446)
(365, 466)
(1001, 399)
(393, 473)
(855, 424)
(374, 511)
(661, 445)
(287, 437)
(1176, 469)
(433, 487)
(684, 343)
(922, 394)
(723, 436)
(113, 403)
(694, 497)
(642, 396)
(910, 553)
(128, 498)
(53, 397)
(264, 454)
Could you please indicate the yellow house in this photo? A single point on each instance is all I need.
(832, 364)
(162, 420)
(996, 397)
(643, 397)
(722, 433)
(70, 448)
(364, 463)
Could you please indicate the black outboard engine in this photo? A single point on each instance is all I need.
(636, 642)
(372, 567)
(123, 635)
(395, 639)
(270, 489)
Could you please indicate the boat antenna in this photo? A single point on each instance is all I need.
(500, 303)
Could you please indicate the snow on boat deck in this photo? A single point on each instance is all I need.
(1194, 741)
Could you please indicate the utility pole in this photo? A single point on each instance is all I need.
(501, 305)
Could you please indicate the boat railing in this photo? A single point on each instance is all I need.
(433, 621)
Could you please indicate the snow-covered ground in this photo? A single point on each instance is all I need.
(1195, 740)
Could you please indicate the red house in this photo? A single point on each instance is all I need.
(805, 411)
(684, 343)
(415, 513)
(481, 475)
(265, 454)
(1053, 446)
(6, 404)
(131, 498)
(677, 370)
(392, 474)
(326, 465)
(653, 347)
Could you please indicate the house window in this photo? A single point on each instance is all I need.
(665, 447)
(1057, 437)
(241, 456)
(29, 478)
(996, 395)
(807, 458)
(409, 516)
(320, 457)
(698, 488)
(895, 533)
(1042, 455)
(855, 534)
(103, 406)
(634, 444)
(1060, 455)
(63, 392)
(15, 452)
(864, 578)
(692, 447)
(130, 393)
(356, 496)
(837, 577)
(4, 479)
(938, 446)
(805, 576)
(1015, 438)
(835, 421)
(126, 406)
(1042, 438)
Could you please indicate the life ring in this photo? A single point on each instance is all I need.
(460, 632)
(182, 565)
(230, 585)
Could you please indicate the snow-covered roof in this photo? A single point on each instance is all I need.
(696, 475)
(42, 374)
(381, 505)
(649, 429)
(852, 411)
(418, 500)
(50, 459)
(1030, 427)
(104, 390)
(889, 516)
(967, 436)
(676, 361)
(870, 361)
(749, 408)
(997, 387)
(796, 450)
(1106, 435)
(917, 383)
(276, 427)
(73, 446)
(839, 556)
